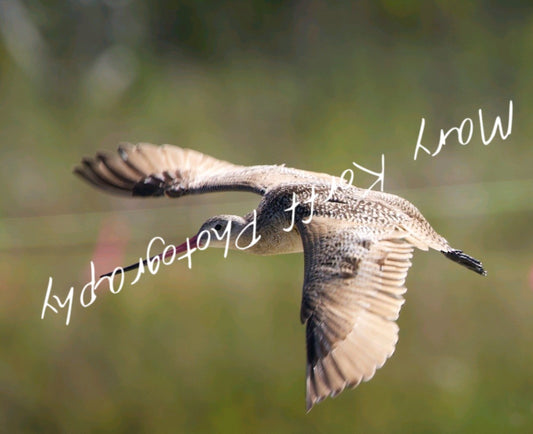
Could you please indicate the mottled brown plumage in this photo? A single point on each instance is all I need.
(357, 246)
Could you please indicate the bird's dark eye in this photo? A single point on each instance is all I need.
(218, 226)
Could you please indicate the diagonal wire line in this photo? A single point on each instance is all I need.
(73, 232)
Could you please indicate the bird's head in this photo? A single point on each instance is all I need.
(222, 231)
(216, 230)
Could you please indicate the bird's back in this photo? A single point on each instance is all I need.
(376, 214)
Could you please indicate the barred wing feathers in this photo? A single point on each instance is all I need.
(149, 170)
(352, 295)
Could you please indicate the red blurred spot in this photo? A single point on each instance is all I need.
(110, 247)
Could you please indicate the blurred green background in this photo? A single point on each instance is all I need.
(315, 85)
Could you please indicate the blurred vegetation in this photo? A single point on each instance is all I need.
(315, 85)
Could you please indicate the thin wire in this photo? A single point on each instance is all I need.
(460, 200)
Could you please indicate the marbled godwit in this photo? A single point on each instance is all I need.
(357, 247)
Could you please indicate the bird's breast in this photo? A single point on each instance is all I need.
(278, 242)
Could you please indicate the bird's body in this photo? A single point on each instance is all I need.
(357, 246)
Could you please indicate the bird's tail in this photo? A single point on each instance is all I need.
(465, 260)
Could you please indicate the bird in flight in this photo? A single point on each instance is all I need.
(357, 246)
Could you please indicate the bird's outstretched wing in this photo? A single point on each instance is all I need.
(352, 295)
(150, 170)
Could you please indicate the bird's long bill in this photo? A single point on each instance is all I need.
(190, 244)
